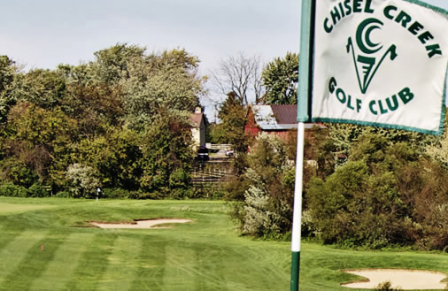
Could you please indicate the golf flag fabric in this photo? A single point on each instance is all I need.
(380, 63)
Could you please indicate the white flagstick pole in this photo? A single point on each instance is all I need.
(297, 217)
(303, 115)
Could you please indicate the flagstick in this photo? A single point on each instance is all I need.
(297, 217)
(303, 115)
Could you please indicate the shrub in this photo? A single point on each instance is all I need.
(12, 190)
(267, 207)
(83, 181)
(384, 195)
(63, 194)
(117, 193)
(386, 286)
(37, 190)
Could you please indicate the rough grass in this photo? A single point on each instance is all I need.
(45, 245)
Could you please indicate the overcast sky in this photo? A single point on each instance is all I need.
(45, 33)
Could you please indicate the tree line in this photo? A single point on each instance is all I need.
(119, 123)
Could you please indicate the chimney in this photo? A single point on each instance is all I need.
(198, 110)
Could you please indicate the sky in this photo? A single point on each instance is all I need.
(45, 33)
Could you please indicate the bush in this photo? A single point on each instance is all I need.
(268, 200)
(386, 286)
(37, 190)
(146, 195)
(12, 190)
(83, 181)
(63, 194)
(117, 193)
(384, 195)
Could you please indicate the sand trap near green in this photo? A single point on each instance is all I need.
(8, 208)
(139, 224)
(404, 279)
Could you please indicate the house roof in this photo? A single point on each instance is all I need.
(196, 119)
(277, 117)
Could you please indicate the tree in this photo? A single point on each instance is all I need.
(385, 194)
(233, 120)
(167, 156)
(138, 83)
(116, 156)
(111, 65)
(38, 141)
(44, 88)
(9, 81)
(280, 78)
(242, 76)
(267, 207)
(95, 106)
(168, 80)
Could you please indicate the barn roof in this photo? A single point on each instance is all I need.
(277, 117)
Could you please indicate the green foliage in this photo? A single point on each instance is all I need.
(116, 193)
(168, 80)
(12, 190)
(36, 144)
(43, 88)
(37, 190)
(113, 64)
(116, 155)
(233, 117)
(267, 207)
(63, 194)
(96, 107)
(346, 135)
(105, 115)
(376, 198)
(320, 149)
(9, 82)
(281, 77)
(167, 155)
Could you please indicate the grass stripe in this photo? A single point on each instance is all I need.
(124, 262)
(9, 230)
(61, 268)
(95, 258)
(5, 238)
(14, 253)
(150, 274)
(210, 266)
(180, 268)
(34, 262)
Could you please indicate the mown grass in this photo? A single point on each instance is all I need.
(45, 244)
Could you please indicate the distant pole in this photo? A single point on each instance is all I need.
(297, 217)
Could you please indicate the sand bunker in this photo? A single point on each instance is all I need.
(139, 224)
(405, 279)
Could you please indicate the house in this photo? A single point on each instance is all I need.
(274, 119)
(199, 125)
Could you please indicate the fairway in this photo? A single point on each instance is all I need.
(46, 244)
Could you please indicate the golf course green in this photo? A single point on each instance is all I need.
(48, 244)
